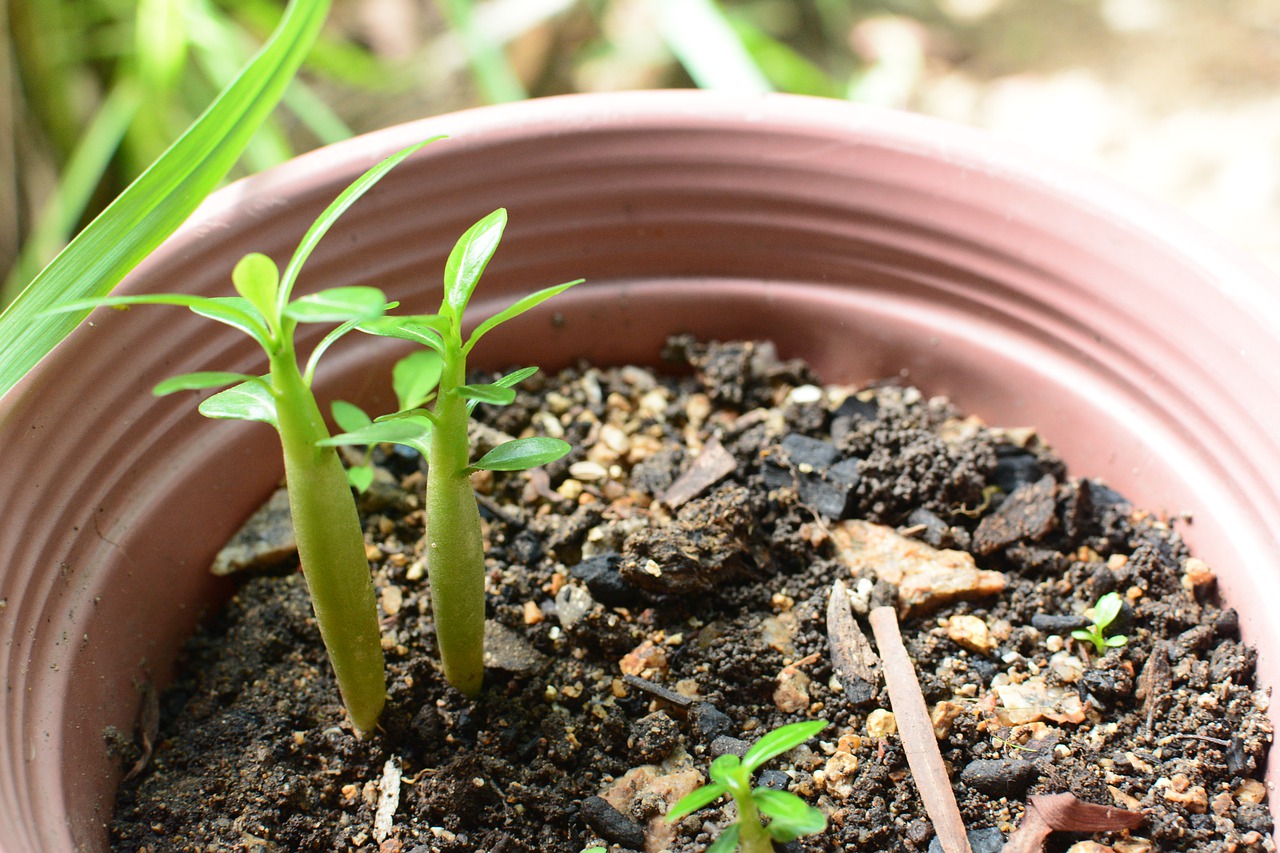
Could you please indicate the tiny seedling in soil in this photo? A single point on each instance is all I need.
(789, 816)
(1104, 613)
(325, 521)
(437, 377)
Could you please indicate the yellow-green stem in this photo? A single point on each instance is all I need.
(331, 547)
(455, 551)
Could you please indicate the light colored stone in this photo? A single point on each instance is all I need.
(970, 632)
(881, 723)
(926, 577)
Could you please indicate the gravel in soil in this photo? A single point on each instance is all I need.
(662, 596)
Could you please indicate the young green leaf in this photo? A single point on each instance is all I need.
(727, 841)
(497, 395)
(1107, 609)
(522, 453)
(251, 400)
(790, 816)
(257, 278)
(414, 378)
(468, 260)
(360, 477)
(337, 305)
(694, 800)
(725, 770)
(779, 741)
(411, 431)
(348, 416)
(237, 312)
(426, 330)
(515, 310)
(511, 380)
(198, 381)
(336, 208)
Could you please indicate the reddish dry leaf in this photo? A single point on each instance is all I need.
(1047, 813)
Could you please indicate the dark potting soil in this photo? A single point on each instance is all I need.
(661, 596)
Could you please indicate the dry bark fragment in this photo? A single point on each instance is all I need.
(710, 466)
(856, 665)
(916, 730)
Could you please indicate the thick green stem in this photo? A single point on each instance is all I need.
(331, 547)
(752, 836)
(455, 551)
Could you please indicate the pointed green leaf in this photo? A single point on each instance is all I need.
(232, 310)
(237, 312)
(348, 416)
(415, 377)
(790, 816)
(158, 201)
(251, 400)
(511, 380)
(336, 208)
(515, 310)
(495, 394)
(728, 840)
(521, 453)
(725, 770)
(1117, 641)
(1107, 609)
(257, 279)
(360, 477)
(198, 381)
(779, 741)
(428, 330)
(694, 800)
(413, 431)
(337, 305)
(467, 261)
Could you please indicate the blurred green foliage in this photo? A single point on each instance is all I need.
(106, 85)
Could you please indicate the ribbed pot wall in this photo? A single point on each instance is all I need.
(873, 244)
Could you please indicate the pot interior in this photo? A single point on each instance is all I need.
(873, 244)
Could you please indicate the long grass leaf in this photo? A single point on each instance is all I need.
(154, 205)
(76, 184)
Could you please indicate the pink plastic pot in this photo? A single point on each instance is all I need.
(872, 243)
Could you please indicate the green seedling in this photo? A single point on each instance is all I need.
(325, 522)
(789, 816)
(1104, 613)
(413, 379)
(436, 403)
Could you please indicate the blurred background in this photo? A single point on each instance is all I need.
(1179, 99)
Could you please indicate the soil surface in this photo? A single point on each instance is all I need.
(664, 595)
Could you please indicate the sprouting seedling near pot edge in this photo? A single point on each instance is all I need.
(1104, 613)
(326, 524)
(789, 816)
(455, 552)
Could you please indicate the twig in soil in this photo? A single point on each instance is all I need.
(1048, 813)
(855, 664)
(916, 730)
(658, 691)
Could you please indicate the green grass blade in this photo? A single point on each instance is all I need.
(76, 184)
(493, 72)
(705, 43)
(154, 205)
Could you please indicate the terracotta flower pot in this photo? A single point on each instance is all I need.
(874, 244)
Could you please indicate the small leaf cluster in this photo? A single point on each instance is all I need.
(789, 817)
(1104, 613)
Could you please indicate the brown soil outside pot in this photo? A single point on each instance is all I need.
(871, 243)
